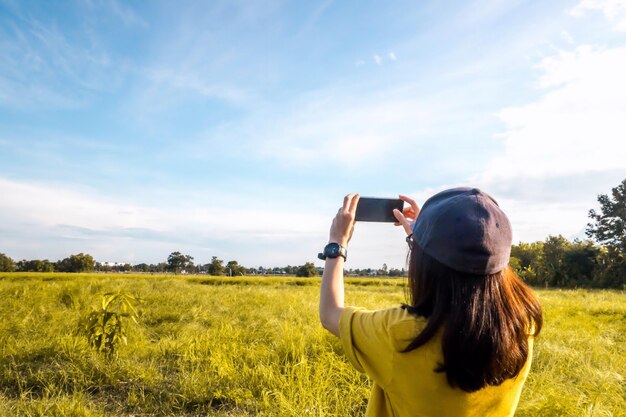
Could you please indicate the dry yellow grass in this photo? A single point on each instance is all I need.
(210, 346)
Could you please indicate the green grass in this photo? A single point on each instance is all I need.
(250, 346)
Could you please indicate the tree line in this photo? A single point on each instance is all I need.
(177, 263)
(596, 263)
(556, 262)
(74, 263)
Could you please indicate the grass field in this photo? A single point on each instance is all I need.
(208, 346)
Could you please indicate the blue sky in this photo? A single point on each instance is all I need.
(133, 129)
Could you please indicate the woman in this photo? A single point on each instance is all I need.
(463, 345)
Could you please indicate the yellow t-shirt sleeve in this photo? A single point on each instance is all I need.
(365, 338)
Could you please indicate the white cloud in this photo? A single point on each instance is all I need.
(327, 128)
(126, 14)
(315, 16)
(566, 147)
(535, 220)
(577, 126)
(613, 10)
(378, 59)
(392, 56)
(119, 228)
(72, 221)
(43, 66)
(567, 37)
(170, 81)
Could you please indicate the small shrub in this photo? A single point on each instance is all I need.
(107, 328)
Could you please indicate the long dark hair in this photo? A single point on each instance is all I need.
(485, 319)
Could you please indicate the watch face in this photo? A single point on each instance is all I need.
(332, 250)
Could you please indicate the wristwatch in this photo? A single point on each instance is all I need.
(333, 250)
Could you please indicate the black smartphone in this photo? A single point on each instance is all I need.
(372, 209)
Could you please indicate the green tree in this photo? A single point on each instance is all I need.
(552, 267)
(515, 264)
(233, 268)
(580, 262)
(142, 267)
(394, 272)
(6, 263)
(291, 270)
(160, 267)
(35, 265)
(216, 267)
(609, 225)
(100, 267)
(307, 270)
(177, 262)
(611, 269)
(46, 266)
(76, 263)
(526, 259)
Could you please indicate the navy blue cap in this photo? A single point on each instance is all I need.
(464, 229)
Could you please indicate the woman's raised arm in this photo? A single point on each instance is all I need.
(331, 292)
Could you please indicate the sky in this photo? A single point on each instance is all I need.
(129, 130)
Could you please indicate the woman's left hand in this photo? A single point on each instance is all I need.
(407, 216)
(343, 223)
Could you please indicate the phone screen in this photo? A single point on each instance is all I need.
(372, 209)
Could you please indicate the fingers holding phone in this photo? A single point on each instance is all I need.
(370, 209)
(407, 216)
(412, 210)
(343, 224)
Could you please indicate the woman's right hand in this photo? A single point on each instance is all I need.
(408, 214)
(343, 224)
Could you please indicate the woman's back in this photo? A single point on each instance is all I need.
(405, 383)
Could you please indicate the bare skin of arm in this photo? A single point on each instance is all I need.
(332, 289)
(331, 292)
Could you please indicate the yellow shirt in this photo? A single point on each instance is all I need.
(405, 384)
